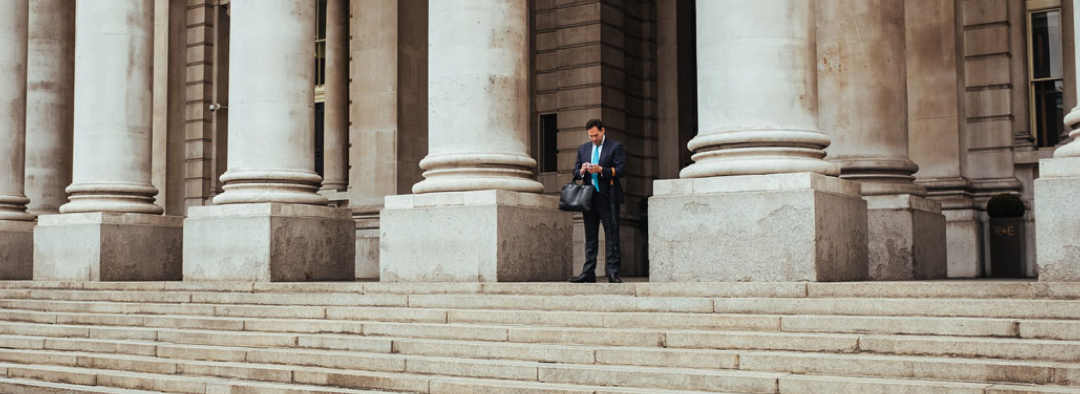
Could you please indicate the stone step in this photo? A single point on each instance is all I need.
(1004, 348)
(978, 289)
(597, 375)
(120, 382)
(989, 308)
(793, 384)
(146, 315)
(23, 386)
(228, 349)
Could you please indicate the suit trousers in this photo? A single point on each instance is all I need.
(601, 212)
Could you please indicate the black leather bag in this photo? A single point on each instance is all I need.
(576, 197)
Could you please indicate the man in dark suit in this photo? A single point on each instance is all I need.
(601, 163)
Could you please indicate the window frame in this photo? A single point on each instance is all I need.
(320, 22)
(1035, 7)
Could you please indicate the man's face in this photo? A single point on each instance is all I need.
(596, 135)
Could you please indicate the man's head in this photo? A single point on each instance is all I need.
(595, 127)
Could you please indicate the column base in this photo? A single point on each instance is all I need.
(758, 228)
(478, 236)
(268, 242)
(1057, 220)
(108, 247)
(16, 250)
(907, 238)
(964, 243)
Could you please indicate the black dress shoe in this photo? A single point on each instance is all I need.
(613, 278)
(583, 278)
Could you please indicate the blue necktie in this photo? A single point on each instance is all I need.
(596, 160)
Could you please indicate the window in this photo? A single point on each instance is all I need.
(320, 84)
(549, 143)
(320, 51)
(1046, 77)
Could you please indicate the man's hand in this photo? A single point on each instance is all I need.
(584, 168)
(593, 169)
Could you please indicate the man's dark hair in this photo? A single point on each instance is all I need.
(597, 123)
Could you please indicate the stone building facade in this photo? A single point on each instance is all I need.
(203, 142)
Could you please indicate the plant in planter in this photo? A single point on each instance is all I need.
(1007, 253)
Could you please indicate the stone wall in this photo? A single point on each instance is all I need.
(199, 172)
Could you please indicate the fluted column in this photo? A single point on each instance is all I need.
(757, 116)
(13, 37)
(336, 116)
(862, 89)
(50, 104)
(113, 108)
(271, 104)
(478, 103)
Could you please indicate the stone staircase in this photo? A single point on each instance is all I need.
(788, 338)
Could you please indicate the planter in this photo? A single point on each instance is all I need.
(1007, 247)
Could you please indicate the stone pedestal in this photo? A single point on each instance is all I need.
(268, 242)
(963, 237)
(102, 246)
(761, 228)
(16, 250)
(907, 238)
(1057, 196)
(477, 236)
(367, 240)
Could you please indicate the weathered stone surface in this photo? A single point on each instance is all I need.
(816, 384)
(684, 379)
(108, 247)
(900, 325)
(906, 238)
(16, 250)
(791, 227)
(1058, 227)
(268, 242)
(497, 236)
(497, 351)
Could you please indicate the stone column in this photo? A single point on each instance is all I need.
(170, 98)
(862, 94)
(336, 116)
(50, 104)
(1056, 201)
(759, 173)
(478, 174)
(388, 114)
(16, 225)
(478, 99)
(269, 224)
(111, 230)
(936, 135)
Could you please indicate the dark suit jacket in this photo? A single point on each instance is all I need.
(613, 162)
